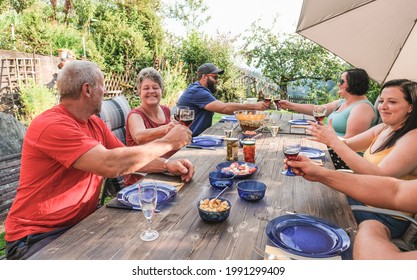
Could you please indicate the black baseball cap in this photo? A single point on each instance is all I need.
(208, 68)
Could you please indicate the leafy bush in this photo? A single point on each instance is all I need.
(175, 82)
(35, 99)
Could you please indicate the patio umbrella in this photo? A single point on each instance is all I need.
(379, 36)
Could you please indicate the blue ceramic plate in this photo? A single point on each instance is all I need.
(253, 167)
(207, 141)
(129, 195)
(307, 236)
(299, 122)
(229, 118)
(311, 152)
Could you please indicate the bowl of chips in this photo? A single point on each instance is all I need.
(214, 209)
(249, 120)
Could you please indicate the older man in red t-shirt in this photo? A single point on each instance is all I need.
(66, 152)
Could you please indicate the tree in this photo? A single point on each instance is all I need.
(189, 12)
(290, 59)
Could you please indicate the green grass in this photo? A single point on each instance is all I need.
(2, 244)
(217, 117)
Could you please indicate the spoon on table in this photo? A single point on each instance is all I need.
(220, 193)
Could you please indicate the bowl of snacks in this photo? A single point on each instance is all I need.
(214, 209)
(249, 120)
(251, 190)
(240, 169)
(221, 180)
(248, 134)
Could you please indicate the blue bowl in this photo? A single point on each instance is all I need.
(221, 180)
(251, 190)
(210, 216)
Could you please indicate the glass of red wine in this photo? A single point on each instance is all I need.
(277, 99)
(291, 149)
(268, 99)
(186, 117)
(177, 112)
(319, 113)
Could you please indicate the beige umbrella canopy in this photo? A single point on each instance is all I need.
(379, 36)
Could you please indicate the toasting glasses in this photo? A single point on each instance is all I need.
(148, 196)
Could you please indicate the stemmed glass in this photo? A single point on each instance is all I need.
(148, 196)
(186, 117)
(228, 129)
(291, 149)
(268, 99)
(177, 112)
(277, 98)
(319, 113)
(274, 127)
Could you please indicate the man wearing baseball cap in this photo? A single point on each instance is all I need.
(199, 96)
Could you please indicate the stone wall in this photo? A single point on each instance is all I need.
(12, 133)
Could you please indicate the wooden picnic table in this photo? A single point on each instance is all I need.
(114, 233)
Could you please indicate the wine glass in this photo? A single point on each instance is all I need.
(277, 98)
(186, 117)
(177, 112)
(268, 99)
(228, 129)
(274, 127)
(291, 149)
(319, 113)
(148, 196)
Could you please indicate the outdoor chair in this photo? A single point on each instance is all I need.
(408, 241)
(114, 113)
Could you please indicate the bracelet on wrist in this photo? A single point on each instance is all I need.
(165, 167)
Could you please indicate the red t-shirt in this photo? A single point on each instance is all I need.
(52, 194)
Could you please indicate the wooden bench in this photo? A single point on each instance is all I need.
(9, 180)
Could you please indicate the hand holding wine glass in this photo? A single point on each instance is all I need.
(148, 196)
(291, 149)
(319, 113)
(186, 117)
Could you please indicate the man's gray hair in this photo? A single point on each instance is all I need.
(149, 73)
(76, 73)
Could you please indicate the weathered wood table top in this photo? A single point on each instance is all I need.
(114, 233)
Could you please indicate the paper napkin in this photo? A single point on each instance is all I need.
(275, 251)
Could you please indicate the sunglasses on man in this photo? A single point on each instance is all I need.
(215, 76)
(341, 82)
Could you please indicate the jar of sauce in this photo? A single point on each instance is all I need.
(232, 149)
(249, 149)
